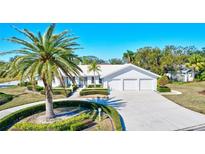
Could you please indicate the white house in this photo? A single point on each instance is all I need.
(183, 75)
(116, 77)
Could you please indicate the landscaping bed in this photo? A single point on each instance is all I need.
(93, 91)
(163, 89)
(10, 120)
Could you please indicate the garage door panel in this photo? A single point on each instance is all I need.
(115, 84)
(146, 84)
(130, 84)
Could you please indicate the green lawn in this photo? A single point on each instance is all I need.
(21, 97)
(190, 97)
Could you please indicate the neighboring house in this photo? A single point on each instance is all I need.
(183, 75)
(116, 77)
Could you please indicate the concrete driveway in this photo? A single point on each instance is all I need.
(149, 110)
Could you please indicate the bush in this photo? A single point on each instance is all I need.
(94, 91)
(24, 84)
(93, 86)
(163, 89)
(80, 125)
(89, 89)
(162, 81)
(63, 125)
(75, 87)
(30, 87)
(4, 98)
(39, 88)
(9, 120)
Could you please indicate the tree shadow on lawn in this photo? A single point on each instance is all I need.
(116, 103)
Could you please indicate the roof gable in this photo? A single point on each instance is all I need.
(125, 66)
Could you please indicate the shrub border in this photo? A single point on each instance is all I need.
(9, 120)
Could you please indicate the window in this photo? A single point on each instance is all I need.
(92, 80)
(100, 80)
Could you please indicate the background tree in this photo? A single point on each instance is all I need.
(95, 68)
(196, 62)
(115, 61)
(86, 60)
(128, 56)
(44, 57)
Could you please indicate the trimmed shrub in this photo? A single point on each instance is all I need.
(162, 81)
(4, 98)
(63, 125)
(89, 89)
(24, 84)
(163, 89)
(9, 120)
(94, 91)
(30, 87)
(39, 88)
(75, 87)
(93, 86)
(80, 125)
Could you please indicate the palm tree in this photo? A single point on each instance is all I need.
(196, 62)
(128, 56)
(95, 68)
(45, 57)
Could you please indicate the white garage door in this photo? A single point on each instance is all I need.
(146, 84)
(115, 84)
(130, 84)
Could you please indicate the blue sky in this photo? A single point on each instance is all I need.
(111, 40)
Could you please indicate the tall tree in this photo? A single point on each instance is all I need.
(196, 62)
(116, 61)
(44, 57)
(128, 56)
(95, 68)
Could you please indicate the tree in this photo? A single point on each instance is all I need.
(95, 68)
(128, 56)
(44, 57)
(116, 61)
(162, 81)
(196, 62)
(86, 60)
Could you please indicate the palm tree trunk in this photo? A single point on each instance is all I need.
(49, 101)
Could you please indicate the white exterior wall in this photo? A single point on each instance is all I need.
(54, 84)
(130, 73)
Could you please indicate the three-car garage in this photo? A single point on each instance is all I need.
(131, 78)
(131, 84)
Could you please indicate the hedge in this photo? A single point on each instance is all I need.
(88, 89)
(11, 119)
(36, 88)
(4, 98)
(63, 125)
(163, 89)
(95, 86)
(80, 125)
(93, 92)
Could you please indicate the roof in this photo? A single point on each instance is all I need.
(109, 69)
(105, 69)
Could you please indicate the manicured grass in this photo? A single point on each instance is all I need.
(190, 97)
(21, 97)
